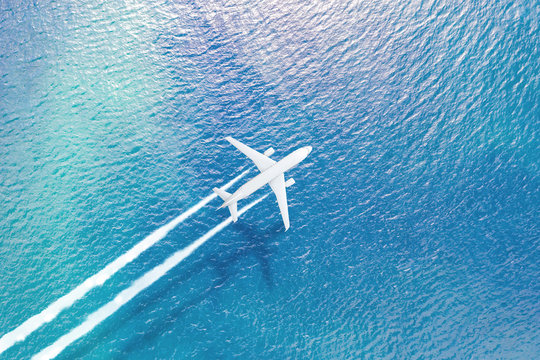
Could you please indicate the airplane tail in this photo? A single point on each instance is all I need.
(232, 207)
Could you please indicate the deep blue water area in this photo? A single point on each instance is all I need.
(414, 221)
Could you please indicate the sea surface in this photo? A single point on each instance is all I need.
(415, 221)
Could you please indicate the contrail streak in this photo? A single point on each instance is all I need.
(52, 311)
(129, 293)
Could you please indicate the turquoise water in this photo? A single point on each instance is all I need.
(414, 221)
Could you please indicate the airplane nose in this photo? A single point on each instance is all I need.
(309, 148)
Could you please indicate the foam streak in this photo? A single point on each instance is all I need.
(51, 312)
(129, 293)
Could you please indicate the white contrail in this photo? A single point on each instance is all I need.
(52, 311)
(127, 294)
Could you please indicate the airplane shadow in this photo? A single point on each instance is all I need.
(255, 244)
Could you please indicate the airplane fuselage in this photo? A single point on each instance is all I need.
(269, 174)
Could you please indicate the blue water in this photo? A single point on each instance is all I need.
(414, 221)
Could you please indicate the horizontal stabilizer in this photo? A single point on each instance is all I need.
(233, 207)
(222, 194)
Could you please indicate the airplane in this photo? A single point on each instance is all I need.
(271, 172)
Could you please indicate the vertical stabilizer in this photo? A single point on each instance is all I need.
(233, 208)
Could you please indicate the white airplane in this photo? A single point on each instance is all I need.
(272, 173)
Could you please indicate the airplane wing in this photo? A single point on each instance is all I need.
(278, 186)
(262, 161)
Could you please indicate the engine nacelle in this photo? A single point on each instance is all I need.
(289, 182)
(269, 152)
